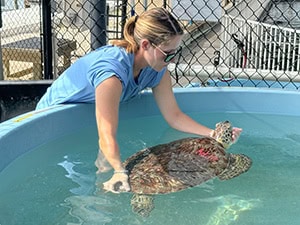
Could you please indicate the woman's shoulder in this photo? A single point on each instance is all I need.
(112, 51)
(107, 61)
(109, 54)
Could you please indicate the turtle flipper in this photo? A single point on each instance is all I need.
(142, 204)
(237, 164)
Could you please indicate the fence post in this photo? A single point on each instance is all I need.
(1, 64)
(47, 39)
(98, 24)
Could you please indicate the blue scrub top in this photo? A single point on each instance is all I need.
(78, 82)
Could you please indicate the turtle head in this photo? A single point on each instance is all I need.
(223, 133)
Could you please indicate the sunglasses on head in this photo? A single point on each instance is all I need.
(168, 56)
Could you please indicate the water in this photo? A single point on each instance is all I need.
(56, 183)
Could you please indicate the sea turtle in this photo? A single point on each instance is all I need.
(181, 164)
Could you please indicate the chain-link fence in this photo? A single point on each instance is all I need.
(227, 42)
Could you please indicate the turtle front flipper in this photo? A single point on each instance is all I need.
(237, 164)
(142, 204)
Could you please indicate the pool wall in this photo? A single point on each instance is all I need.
(27, 131)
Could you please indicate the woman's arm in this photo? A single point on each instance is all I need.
(167, 104)
(108, 95)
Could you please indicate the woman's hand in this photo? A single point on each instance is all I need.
(118, 183)
(236, 132)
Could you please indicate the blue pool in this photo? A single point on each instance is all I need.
(47, 170)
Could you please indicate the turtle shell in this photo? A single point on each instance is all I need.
(176, 165)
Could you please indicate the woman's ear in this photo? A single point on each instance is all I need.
(145, 44)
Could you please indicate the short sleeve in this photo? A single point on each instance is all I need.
(104, 69)
(107, 62)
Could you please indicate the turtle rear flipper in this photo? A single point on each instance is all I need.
(142, 204)
(238, 164)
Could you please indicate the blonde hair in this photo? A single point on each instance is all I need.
(156, 25)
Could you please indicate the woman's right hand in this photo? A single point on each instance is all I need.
(118, 183)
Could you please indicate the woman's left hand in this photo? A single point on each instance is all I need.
(236, 134)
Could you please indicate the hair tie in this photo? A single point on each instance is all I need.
(136, 18)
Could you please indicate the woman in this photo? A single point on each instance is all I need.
(118, 72)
